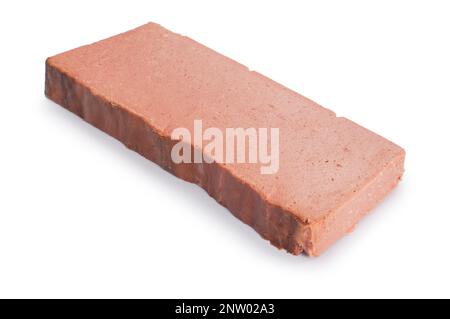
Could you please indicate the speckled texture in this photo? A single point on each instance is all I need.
(140, 85)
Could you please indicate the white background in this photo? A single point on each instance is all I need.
(82, 216)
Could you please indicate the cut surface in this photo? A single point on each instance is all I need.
(141, 85)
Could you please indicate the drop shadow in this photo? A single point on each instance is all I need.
(195, 195)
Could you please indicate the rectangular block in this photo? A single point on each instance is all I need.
(141, 85)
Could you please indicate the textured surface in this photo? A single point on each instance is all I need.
(142, 84)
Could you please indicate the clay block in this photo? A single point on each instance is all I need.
(141, 85)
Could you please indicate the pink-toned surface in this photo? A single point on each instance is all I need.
(140, 85)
